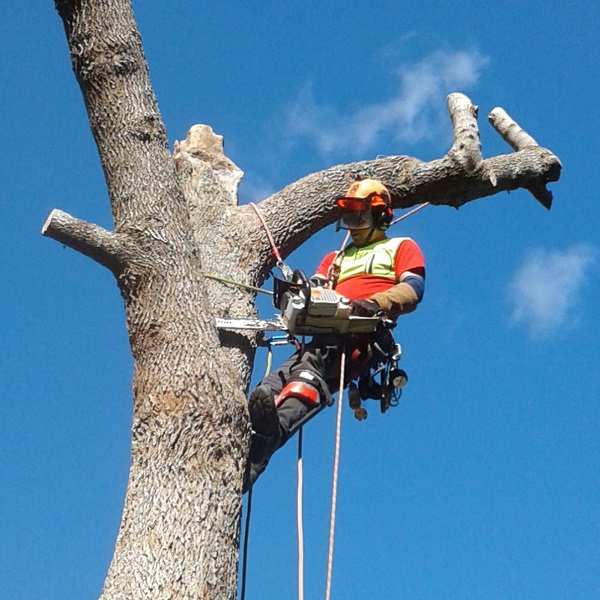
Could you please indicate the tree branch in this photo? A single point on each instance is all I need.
(302, 208)
(510, 131)
(519, 139)
(466, 147)
(105, 247)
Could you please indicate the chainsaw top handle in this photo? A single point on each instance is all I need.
(295, 286)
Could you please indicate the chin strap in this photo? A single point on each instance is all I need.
(368, 240)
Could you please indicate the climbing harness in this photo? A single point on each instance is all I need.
(380, 379)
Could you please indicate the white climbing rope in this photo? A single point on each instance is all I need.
(299, 486)
(246, 532)
(336, 460)
(299, 527)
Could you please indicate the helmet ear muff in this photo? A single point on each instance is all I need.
(382, 216)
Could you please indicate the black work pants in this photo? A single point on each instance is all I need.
(321, 357)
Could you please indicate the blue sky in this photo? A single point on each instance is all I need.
(484, 482)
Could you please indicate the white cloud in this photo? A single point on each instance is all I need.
(412, 114)
(544, 291)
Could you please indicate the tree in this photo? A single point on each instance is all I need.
(174, 215)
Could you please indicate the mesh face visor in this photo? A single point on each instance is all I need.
(357, 213)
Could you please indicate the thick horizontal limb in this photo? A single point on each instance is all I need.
(461, 175)
(531, 169)
(95, 242)
(300, 209)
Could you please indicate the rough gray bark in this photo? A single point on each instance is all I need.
(178, 536)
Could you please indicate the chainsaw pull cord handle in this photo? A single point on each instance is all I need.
(299, 278)
(285, 270)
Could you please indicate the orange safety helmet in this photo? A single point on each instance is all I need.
(365, 194)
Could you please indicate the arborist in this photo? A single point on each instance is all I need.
(380, 276)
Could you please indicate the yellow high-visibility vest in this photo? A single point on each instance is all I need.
(375, 259)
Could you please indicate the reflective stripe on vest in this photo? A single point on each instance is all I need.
(375, 259)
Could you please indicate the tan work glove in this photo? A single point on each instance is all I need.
(398, 300)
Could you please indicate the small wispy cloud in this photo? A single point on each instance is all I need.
(544, 292)
(255, 188)
(413, 113)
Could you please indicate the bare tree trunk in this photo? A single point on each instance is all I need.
(176, 218)
(178, 536)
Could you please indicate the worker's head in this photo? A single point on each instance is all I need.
(367, 207)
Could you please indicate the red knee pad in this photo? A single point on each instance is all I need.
(298, 389)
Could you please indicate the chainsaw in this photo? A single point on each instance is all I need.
(305, 309)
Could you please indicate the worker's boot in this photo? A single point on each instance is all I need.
(266, 433)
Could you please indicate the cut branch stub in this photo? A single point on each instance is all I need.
(509, 130)
(202, 150)
(518, 139)
(466, 147)
(103, 246)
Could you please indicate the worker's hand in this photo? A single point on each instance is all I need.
(363, 307)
